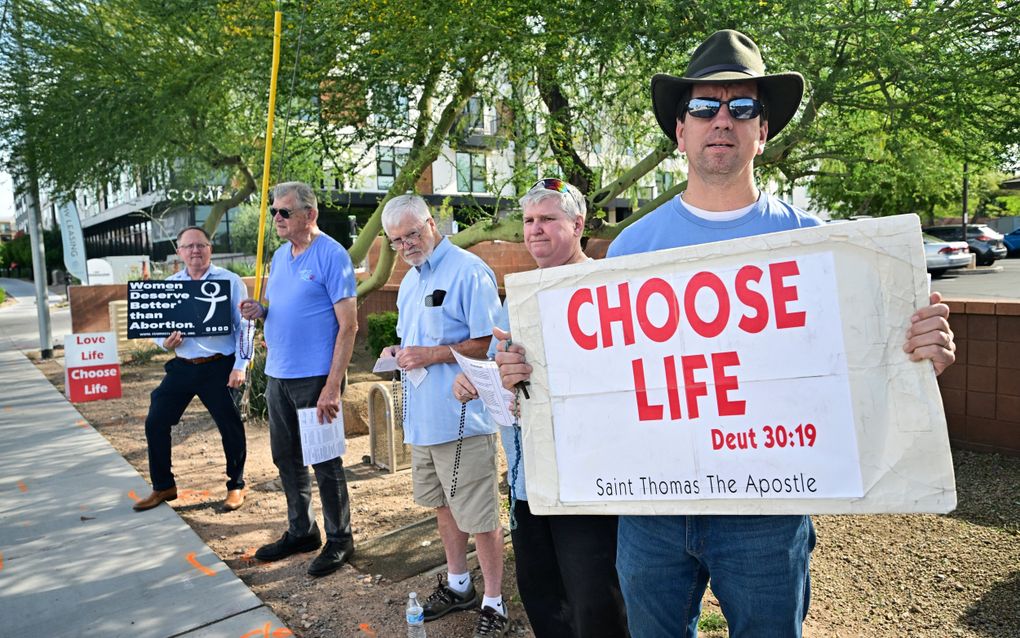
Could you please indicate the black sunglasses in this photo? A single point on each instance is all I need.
(740, 108)
(282, 212)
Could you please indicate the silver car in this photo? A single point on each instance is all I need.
(941, 256)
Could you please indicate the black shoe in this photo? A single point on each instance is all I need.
(331, 558)
(288, 546)
(491, 623)
(444, 600)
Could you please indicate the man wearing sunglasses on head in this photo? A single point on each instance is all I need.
(721, 113)
(448, 300)
(566, 565)
(309, 329)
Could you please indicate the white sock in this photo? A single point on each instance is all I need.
(496, 602)
(459, 583)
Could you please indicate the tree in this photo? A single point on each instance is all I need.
(898, 93)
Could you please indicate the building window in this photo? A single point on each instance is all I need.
(663, 182)
(474, 117)
(470, 172)
(388, 162)
(391, 107)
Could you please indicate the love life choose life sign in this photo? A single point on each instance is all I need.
(195, 308)
(760, 375)
(91, 367)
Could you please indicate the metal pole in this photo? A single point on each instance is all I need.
(964, 217)
(35, 231)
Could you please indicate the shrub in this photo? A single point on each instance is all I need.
(382, 331)
(256, 406)
(3, 295)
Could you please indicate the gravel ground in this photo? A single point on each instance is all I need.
(876, 576)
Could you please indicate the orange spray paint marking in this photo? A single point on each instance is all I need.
(199, 566)
(82, 423)
(22, 486)
(367, 629)
(186, 495)
(268, 632)
(133, 496)
(1, 562)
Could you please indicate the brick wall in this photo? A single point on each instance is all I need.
(981, 391)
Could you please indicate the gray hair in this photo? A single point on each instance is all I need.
(304, 193)
(571, 203)
(401, 206)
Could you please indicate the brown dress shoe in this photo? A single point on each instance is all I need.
(154, 499)
(235, 499)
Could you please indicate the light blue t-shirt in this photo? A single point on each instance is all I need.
(301, 327)
(238, 343)
(672, 225)
(469, 309)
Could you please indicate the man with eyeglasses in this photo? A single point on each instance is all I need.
(310, 324)
(211, 368)
(448, 300)
(720, 114)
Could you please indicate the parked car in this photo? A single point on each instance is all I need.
(1012, 241)
(983, 241)
(941, 256)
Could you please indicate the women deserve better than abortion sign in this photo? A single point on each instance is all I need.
(757, 375)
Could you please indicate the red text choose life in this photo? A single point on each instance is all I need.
(755, 308)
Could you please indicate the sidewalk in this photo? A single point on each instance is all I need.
(75, 559)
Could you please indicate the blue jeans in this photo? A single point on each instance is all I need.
(284, 397)
(758, 566)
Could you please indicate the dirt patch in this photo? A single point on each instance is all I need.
(881, 576)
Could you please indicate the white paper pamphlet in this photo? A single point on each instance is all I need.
(321, 441)
(484, 375)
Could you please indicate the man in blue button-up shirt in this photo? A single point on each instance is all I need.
(203, 366)
(448, 299)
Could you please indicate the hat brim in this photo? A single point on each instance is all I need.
(782, 93)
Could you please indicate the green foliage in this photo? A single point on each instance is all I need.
(244, 232)
(143, 352)
(241, 268)
(382, 331)
(19, 251)
(3, 295)
(256, 405)
(711, 621)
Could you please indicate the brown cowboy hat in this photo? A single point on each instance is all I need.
(728, 56)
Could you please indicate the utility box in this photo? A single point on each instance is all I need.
(386, 429)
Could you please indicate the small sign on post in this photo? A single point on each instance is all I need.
(195, 308)
(91, 368)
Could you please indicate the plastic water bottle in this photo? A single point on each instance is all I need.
(415, 617)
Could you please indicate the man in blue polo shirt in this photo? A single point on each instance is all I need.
(448, 299)
(205, 367)
(309, 331)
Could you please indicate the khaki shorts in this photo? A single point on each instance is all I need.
(475, 505)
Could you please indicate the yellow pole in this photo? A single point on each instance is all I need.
(259, 265)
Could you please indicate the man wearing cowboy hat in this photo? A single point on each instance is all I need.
(721, 113)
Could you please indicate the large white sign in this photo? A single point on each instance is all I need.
(762, 375)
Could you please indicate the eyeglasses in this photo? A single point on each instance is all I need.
(412, 237)
(190, 247)
(559, 186)
(283, 212)
(740, 108)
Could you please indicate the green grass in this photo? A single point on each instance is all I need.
(3, 295)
